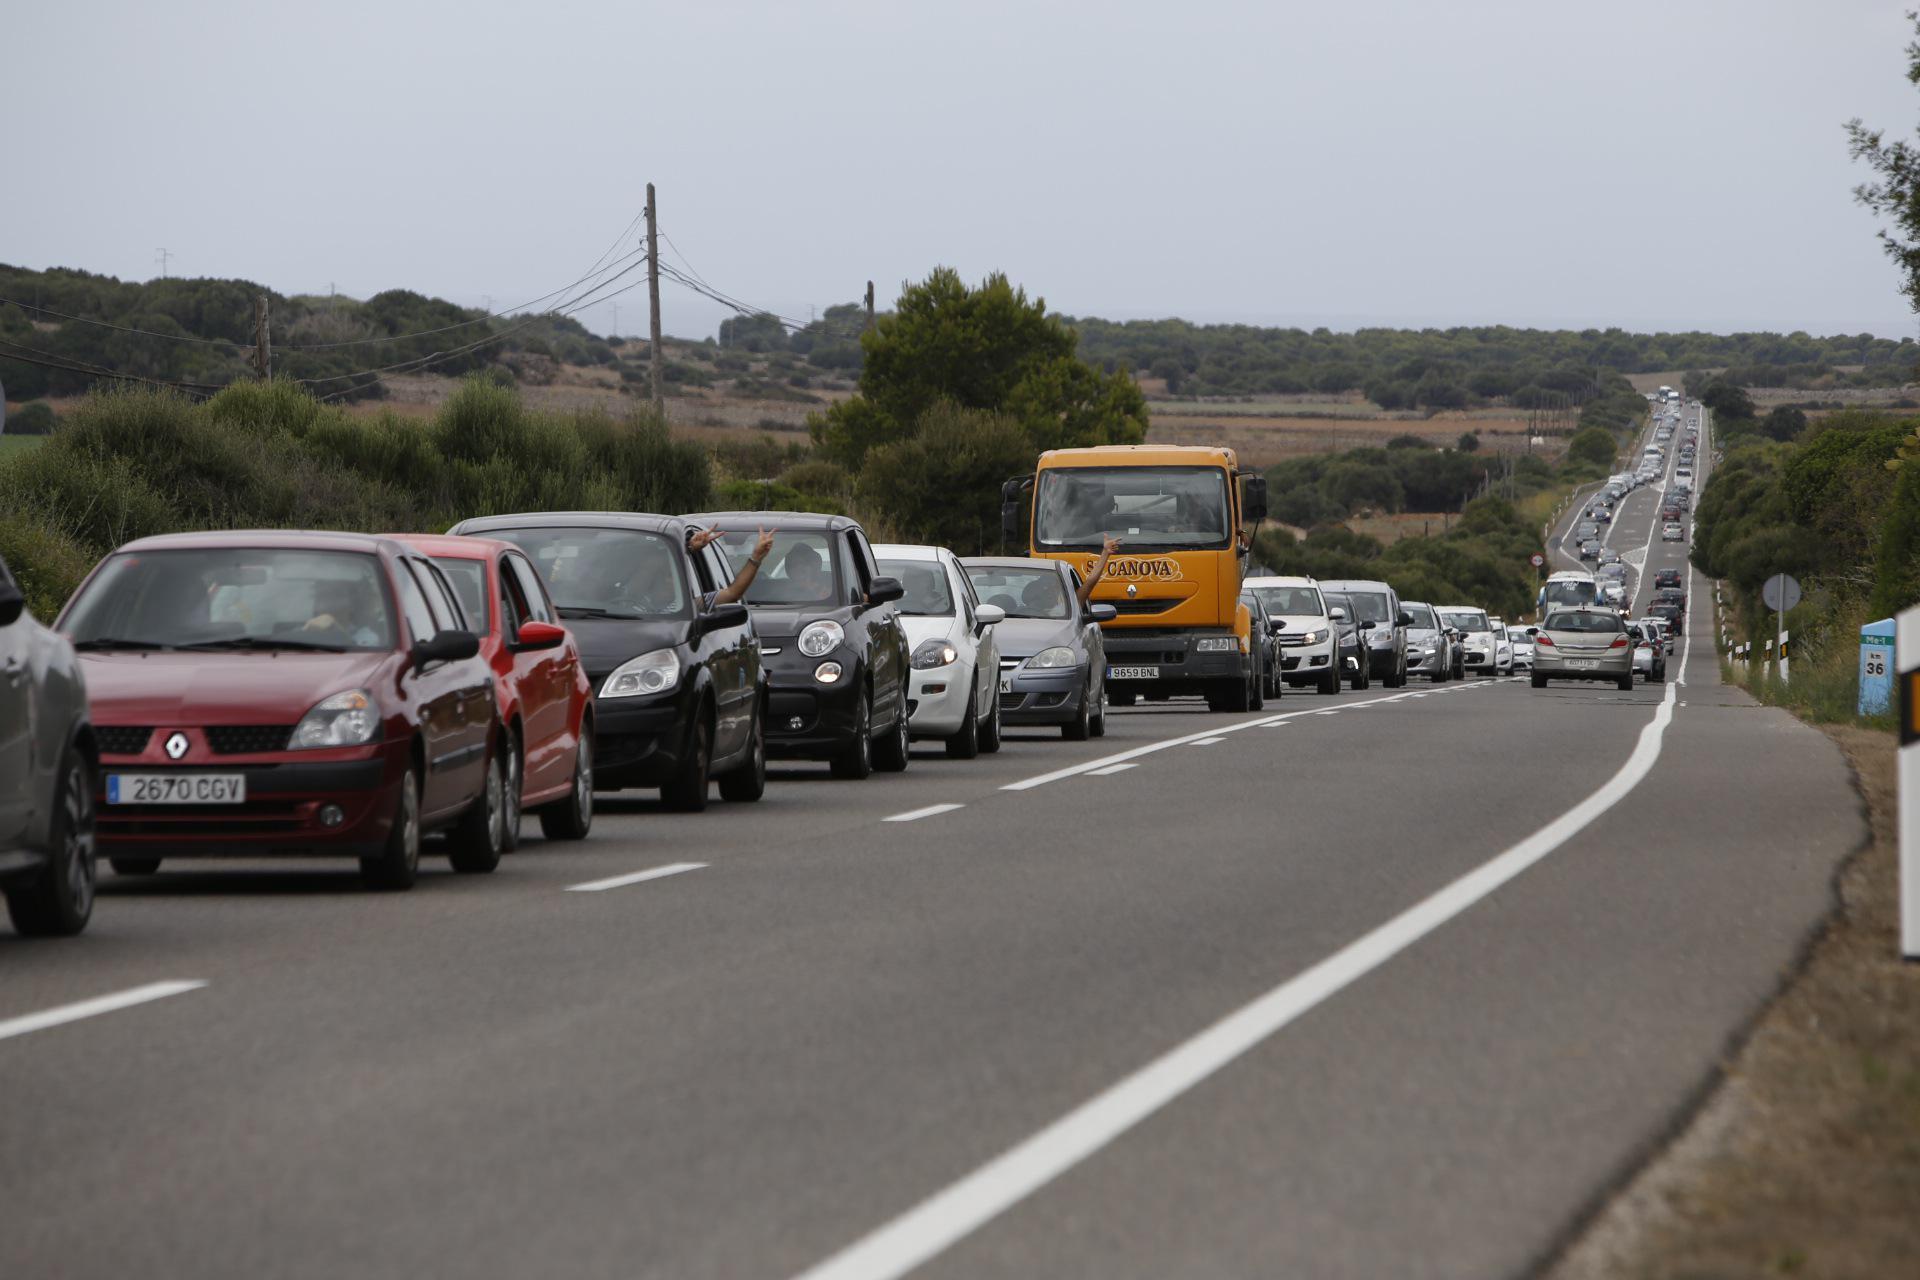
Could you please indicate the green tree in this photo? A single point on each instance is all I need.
(1784, 423)
(1895, 191)
(942, 483)
(1469, 442)
(1727, 400)
(1595, 445)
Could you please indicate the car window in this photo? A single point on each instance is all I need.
(532, 594)
(446, 615)
(1291, 601)
(1423, 618)
(1466, 620)
(1037, 592)
(1591, 623)
(414, 605)
(606, 572)
(512, 606)
(800, 569)
(864, 567)
(469, 581)
(236, 595)
(928, 593)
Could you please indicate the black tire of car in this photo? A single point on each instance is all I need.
(1077, 729)
(990, 731)
(892, 753)
(516, 785)
(1330, 680)
(1097, 724)
(1657, 676)
(572, 818)
(1230, 695)
(134, 866)
(1625, 683)
(686, 791)
(398, 865)
(1257, 694)
(476, 842)
(855, 760)
(748, 781)
(1119, 699)
(965, 743)
(1397, 677)
(1539, 681)
(1362, 677)
(58, 902)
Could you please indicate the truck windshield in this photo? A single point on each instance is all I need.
(1147, 508)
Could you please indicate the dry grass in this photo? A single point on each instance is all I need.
(1265, 440)
(1806, 1160)
(1389, 529)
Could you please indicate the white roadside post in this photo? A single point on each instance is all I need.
(1907, 658)
(1783, 659)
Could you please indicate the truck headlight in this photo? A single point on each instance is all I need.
(654, 672)
(821, 638)
(1216, 644)
(345, 720)
(1052, 659)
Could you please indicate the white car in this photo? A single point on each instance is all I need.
(1502, 647)
(1522, 648)
(954, 687)
(1306, 639)
(1612, 591)
(1479, 647)
(1672, 532)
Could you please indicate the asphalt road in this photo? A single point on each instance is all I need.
(1414, 976)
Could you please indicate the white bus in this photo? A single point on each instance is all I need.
(1568, 588)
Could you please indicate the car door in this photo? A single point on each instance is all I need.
(546, 677)
(437, 692)
(16, 721)
(1092, 637)
(723, 655)
(986, 665)
(885, 635)
(472, 682)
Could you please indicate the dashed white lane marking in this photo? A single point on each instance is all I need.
(1205, 742)
(1112, 769)
(932, 1226)
(27, 1022)
(651, 873)
(931, 811)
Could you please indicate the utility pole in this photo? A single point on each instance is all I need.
(616, 320)
(163, 255)
(653, 297)
(869, 304)
(262, 340)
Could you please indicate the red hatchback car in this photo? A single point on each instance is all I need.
(287, 693)
(539, 684)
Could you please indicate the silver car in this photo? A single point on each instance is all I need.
(1432, 645)
(1053, 661)
(47, 758)
(1582, 644)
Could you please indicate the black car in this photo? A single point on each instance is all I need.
(680, 695)
(1672, 614)
(1674, 596)
(1267, 651)
(1666, 578)
(1353, 643)
(836, 652)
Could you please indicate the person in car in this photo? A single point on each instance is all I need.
(1099, 570)
(345, 615)
(736, 590)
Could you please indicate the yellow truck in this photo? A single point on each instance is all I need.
(1183, 515)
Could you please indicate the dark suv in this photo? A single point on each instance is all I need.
(46, 774)
(679, 694)
(835, 649)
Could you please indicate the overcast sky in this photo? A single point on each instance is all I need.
(1657, 165)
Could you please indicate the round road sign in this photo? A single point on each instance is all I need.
(1781, 593)
(1536, 559)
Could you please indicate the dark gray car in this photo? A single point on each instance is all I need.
(1377, 609)
(1053, 661)
(47, 759)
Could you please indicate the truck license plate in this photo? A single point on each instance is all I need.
(176, 788)
(1133, 673)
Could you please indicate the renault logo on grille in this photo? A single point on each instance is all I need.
(1133, 589)
(176, 745)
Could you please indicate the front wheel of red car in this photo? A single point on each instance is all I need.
(398, 865)
(516, 781)
(59, 901)
(572, 818)
(476, 841)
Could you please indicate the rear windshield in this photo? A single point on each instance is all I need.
(1596, 623)
(928, 593)
(1023, 593)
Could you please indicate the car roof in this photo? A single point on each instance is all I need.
(264, 539)
(1354, 584)
(452, 546)
(674, 525)
(1013, 562)
(1462, 608)
(907, 551)
(1280, 580)
(777, 520)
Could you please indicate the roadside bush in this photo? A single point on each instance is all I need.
(33, 419)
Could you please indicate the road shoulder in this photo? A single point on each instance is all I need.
(1803, 1153)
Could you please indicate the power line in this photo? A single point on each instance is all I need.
(121, 328)
(89, 369)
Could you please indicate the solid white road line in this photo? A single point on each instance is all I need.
(651, 873)
(1111, 769)
(938, 1222)
(91, 1008)
(914, 815)
(1205, 742)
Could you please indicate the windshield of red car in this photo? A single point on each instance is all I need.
(237, 596)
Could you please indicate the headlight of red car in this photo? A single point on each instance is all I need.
(345, 720)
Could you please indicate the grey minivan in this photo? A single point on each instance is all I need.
(47, 758)
(1385, 623)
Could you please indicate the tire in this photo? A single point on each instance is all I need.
(398, 865)
(572, 818)
(1330, 680)
(1397, 678)
(1626, 683)
(855, 760)
(1257, 694)
(1121, 699)
(1363, 678)
(1081, 726)
(892, 753)
(1539, 681)
(515, 789)
(686, 791)
(990, 732)
(134, 866)
(1097, 725)
(1234, 696)
(748, 782)
(965, 744)
(58, 902)
(1658, 677)
(476, 842)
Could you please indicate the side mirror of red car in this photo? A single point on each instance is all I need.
(540, 635)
